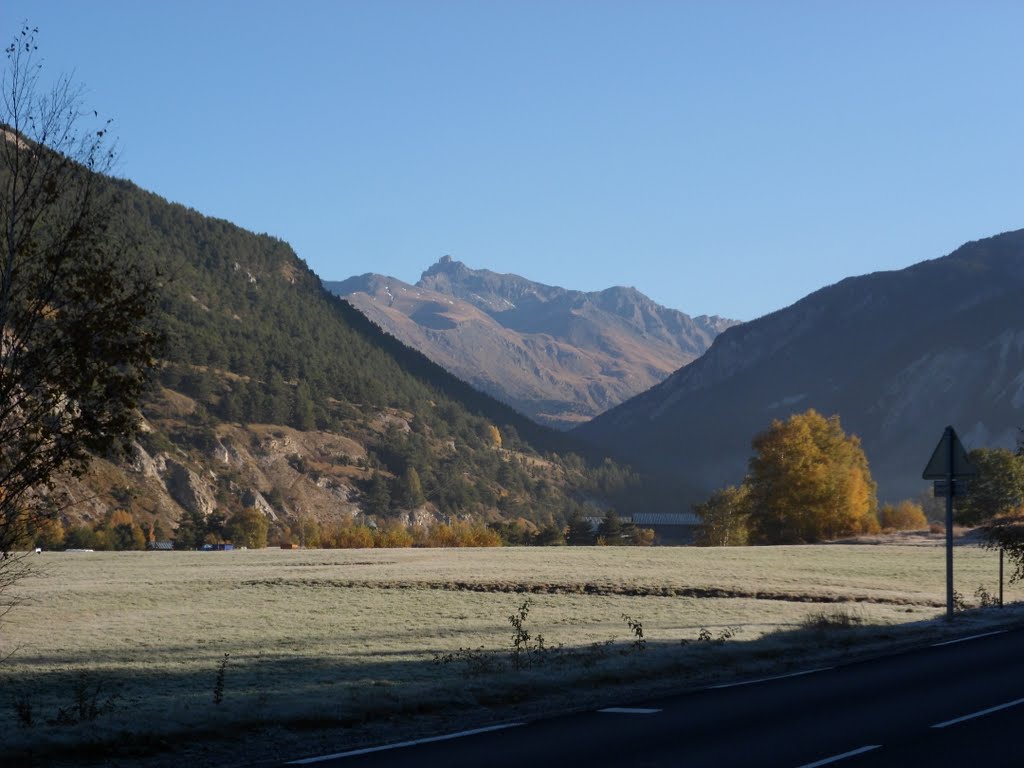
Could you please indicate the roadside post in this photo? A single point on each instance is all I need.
(1000, 577)
(949, 468)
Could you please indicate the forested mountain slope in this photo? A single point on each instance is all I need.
(277, 395)
(898, 355)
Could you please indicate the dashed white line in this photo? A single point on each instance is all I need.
(982, 713)
(402, 744)
(769, 679)
(837, 758)
(965, 639)
(629, 711)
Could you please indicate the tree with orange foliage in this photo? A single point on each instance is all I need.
(809, 481)
(393, 536)
(905, 516)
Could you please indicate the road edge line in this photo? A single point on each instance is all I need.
(972, 637)
(767, 679)
(980, 713)
(403, 744)
(837, 758)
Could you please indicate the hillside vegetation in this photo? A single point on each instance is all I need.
(277, 396)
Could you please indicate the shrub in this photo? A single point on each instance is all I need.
(636, 627)
(836, 619)
(218, 681)
(905, 516)
(349, 537)
(461, 534)
(393, 537)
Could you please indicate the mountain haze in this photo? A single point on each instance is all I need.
(557, 355)
(898, 355)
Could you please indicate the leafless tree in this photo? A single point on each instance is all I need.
(77, 332)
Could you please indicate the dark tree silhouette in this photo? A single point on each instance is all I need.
(77, 339)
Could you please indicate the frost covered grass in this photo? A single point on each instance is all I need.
(131, 646)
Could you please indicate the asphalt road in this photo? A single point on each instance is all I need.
(958, 704)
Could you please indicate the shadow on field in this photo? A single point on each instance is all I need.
(56, 711)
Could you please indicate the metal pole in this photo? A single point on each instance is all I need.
(949, 526)
(1000, 577)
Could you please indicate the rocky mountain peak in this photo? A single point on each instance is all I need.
(445, 265)
(559, 355)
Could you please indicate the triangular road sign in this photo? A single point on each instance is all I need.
(949, 458)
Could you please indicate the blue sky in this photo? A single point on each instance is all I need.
(722, 157)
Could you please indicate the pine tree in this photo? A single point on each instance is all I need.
(378, 496)
(611, 529)
(580, 532)
(412, 489)
(303, 416)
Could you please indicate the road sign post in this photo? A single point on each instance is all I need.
(948, 464)
(1000, 577)
(942, 489)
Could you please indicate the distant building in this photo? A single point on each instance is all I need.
(669, 527)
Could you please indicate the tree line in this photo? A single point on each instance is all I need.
(250, 529)
(809, 481)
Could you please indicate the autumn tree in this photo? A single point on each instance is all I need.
(77, 335)
(997, 488)
(307, 531)
(808, 480)
(248, 528)
(392, 536)
(351, 537)
(905, 516)
(121, 532)
(50, 535)
(723, 518)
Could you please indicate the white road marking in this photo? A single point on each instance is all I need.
(965, 639)
(982, 713)
(768, 679)
(629, 711)
(837, 758)
(402, 744)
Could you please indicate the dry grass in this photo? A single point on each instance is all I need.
(351, 637)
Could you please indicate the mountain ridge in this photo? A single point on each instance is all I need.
(558, 355)
(897, 354)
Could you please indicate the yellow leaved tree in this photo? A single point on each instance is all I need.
(809, 481)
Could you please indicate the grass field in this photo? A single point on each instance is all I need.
(123, 648)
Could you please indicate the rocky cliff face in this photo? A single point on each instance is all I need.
(557, 355)
(898, 355)
(221, 467)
